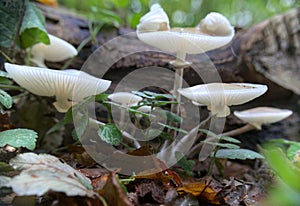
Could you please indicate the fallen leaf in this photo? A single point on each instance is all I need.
(159, 172)
(113, 193)
(205, 189)
(5, 122)
(146, 190)
(43, 173)
(52, 3)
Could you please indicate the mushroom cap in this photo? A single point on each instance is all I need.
(65, 85)
(154, 20)
(213, 31)
(262, 115)
(125, 98)
(218, 96)
(57, 50)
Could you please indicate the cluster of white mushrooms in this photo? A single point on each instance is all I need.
(212, 32)
(72, 86)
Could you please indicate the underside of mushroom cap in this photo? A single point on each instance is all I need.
(214, 31)
(175, 41)
(66, 85)
(218, 96)
(262, 115)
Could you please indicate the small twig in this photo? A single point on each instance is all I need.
(238, 131)
(6, 56)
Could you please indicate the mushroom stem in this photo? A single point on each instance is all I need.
(179, 65)
(238, 131)
(177, 85)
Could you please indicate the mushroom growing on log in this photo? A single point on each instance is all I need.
(265, 53)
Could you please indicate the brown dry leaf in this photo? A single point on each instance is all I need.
(93, 173)
(146, 190)
(99, 182)
(52, 3)
(205, 190)
(159, 172)
(113, 193)
(142, 151)
(5, 122)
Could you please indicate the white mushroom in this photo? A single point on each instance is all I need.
(219, 96)
(58, 50)
(125, 98)
(213, 31)
(68, 86)
(262, 115)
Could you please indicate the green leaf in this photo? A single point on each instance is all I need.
(230, 139)
(101, 97)
(33, 27)
(219, 137)
(142, 94)
(10, 12)
(186, 164)
(4, 74)
(19, 138)
(171, 117)
(241, 154)
(293, 150)
(283, 167)
(159, 96)
(110, 134)
(5, 99)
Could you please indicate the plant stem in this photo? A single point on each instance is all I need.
(238, 131)
(11, 87)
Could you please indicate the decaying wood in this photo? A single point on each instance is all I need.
(266, 53)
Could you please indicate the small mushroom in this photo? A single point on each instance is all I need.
(58, 50)
(68, 86)
(126, 99)
(219, 96)
(262, 115)
(256, 117)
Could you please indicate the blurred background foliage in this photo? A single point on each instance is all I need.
(185, 13)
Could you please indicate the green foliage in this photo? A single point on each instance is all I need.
(290, 148)
(18, 138)
(33, 29)
(4, 74)
(186, 164)
(110, 134)
(240, 154)
(287, 190)
(21, 24)
(227, 147)
(5, 99)
(181, 13)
